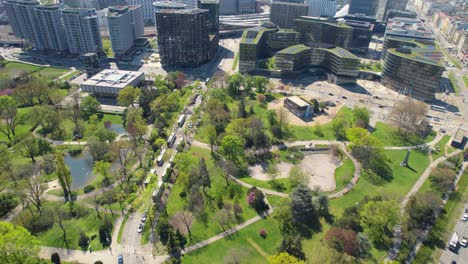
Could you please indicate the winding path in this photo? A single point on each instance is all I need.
(145, 256)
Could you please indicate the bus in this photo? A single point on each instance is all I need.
(160, 159)
(171, 140)
(438, 108)
(181, 120)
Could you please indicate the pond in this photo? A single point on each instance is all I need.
(118, 129)
(81, 168)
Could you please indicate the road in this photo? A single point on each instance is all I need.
(461, 256)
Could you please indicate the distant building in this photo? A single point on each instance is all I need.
(90, 62)
(342, 64)
(366, 7)
(184, 38)
(283, 13)
(246, 6)
(49, 24)
(22, 20)
(111, 82)
(82, 30)
(148, 9)
(319, 8)
(213, 14)
(228, 7)
(416, 72)
(125, 25)
(400, 13)
(162, 5)
(298, 107)
(460, 139)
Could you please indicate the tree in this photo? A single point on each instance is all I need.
(204, 176)
(297, 177)
(442, 179)
(8, 201)
(90, 106)
(421, 211)
(260, 84)
(292, 244)
(8, 113)
(59, 218)
(102, 168)
(183, 221)
(6, 166)
(135, 124)
(350, 219)
(55, 258)
(284, 258)
(128, 95)
(339, 126)
(256, 200)
(304, 214)
(17, 245)
(64, 176)
(48, 118)
(235, 256)
(342, 240)
(361, 116)
(379, 217)
(364, 247)
(407, 116)
(74, 113)
(122, 154)
(33, 184)
(96, 204)
(234, 84)
(83, 241)
(232, 147)
(224, 219)
(211, 134)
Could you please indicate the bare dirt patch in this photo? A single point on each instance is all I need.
(319, 167)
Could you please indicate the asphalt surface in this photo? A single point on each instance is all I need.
(461, 254)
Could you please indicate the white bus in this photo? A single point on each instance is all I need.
(160, 159)
(181, 120)
(438, 108)
(171, 140)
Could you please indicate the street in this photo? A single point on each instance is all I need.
(461, 256)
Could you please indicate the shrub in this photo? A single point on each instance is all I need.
(7, 202)
(263, 233)
(83, 241)
(256, 200)
(89, 188)
(183, 194)
(55, 258)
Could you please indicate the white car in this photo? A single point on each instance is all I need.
(143, 219)
(140, 228)
(465, 217)
(464, 242)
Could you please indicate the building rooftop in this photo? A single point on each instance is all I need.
(429, 55)
(290, 4)
(113, 78)
(169, 5)
(294, 49)
(298, 101)
(182, 11)
(407, 27)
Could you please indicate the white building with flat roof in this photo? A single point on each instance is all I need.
(110, 82)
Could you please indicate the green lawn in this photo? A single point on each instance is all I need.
(13, 69)
(344, 173)
(390, 137)
(24, 124)
(431, 250)
(204, 229)
(89, 224)
(441, 146)
(465, 80)
(454, 83)
(252, 247)
(403, 180)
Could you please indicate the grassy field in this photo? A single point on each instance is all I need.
(403, 180)
(390, 137)
(89, 224)
(453, 81)
(247, 243)
(14, 69)
(441, 145)
(344, 173)
(432, 249)
(204, 229)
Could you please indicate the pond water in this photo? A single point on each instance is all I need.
(118, 128)
(81, 168)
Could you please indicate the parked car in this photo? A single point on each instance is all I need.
(120, 259)
(140, 228)
(465, 217)
(143, 219)
(464, 241)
